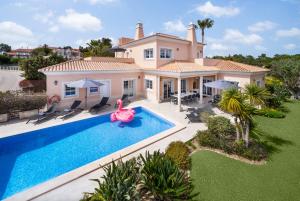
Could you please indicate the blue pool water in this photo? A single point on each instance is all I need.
(34, 157)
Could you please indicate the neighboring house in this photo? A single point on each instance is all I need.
(153, 67)
(67, 52)
(20, 53)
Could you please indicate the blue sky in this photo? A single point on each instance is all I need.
(241, 26)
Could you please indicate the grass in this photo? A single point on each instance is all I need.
(217, 177)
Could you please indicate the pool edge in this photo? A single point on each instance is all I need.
(52, 184)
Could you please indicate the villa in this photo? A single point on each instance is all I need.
(153, 67)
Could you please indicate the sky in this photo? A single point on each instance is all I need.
(249, 27)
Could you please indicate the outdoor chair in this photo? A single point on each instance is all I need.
(100, 105)
(72, 110)
(193, 117)
(43, 116)
(189, 98)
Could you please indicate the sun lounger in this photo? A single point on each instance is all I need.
(124, 99)
(43, 116)
(72, 110)
(100, 105)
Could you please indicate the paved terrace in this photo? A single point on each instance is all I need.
(74, 190)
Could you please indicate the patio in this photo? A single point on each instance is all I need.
(186, 91)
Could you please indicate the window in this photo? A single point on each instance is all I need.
(94, 90)
(165, 53)
(70, 91)
(148, 84)
(148, 53)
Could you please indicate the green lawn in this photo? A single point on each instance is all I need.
(218, 178)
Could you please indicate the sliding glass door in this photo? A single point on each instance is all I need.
(129, 87)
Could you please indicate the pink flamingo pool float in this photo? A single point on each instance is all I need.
(123, 115)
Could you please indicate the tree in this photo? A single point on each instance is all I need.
(5, 47)
(205, 24)
(232, 101)
(42, 51)
(256, 95)
(99, 47)
(32, 65)
(288, 70)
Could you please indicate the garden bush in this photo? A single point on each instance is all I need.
(220, 126)
(118, 183)
(204, 116)
(255, 150)
(13, 101)
(150, 177)
(269, 112)
(163, 180)
(180, 154)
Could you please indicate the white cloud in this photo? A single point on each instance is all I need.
(93, 2)
(218, 47)
(293, 32)
(262, 26)
(174, 26)
(44, 17)
(235, 36)
(16, 35)
(103, 2)
(54, 29)
(208, 9)
(80, 21)
(290, 46)
(81, 42)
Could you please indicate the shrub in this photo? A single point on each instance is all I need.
(205, 138)
(269, 112)
(12, 101)
(162, 179)
(179, 153)
(220, 126)
(204, 116)
(255, 150)
(6, 100)
(118, 183)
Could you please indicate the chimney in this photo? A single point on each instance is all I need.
(139, 31)
(191, 33)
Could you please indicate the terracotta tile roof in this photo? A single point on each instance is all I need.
(225, 65)
(83, 65)
(185, 66)
(110, 59)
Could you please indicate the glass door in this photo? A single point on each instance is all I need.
(129, 87)
(167, 88)
(207, 90)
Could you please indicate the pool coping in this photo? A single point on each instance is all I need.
(56, 182)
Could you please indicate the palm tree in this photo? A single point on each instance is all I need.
(205, 24)
(235, 102)
(232, 102)
(256, 95)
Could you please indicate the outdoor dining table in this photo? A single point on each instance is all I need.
(182, 95)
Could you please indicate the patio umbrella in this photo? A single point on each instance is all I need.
(85, 83)
(222, 84)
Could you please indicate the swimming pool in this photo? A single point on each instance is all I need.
(34, 157)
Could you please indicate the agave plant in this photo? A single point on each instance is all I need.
(162, 180)
(118, 183)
